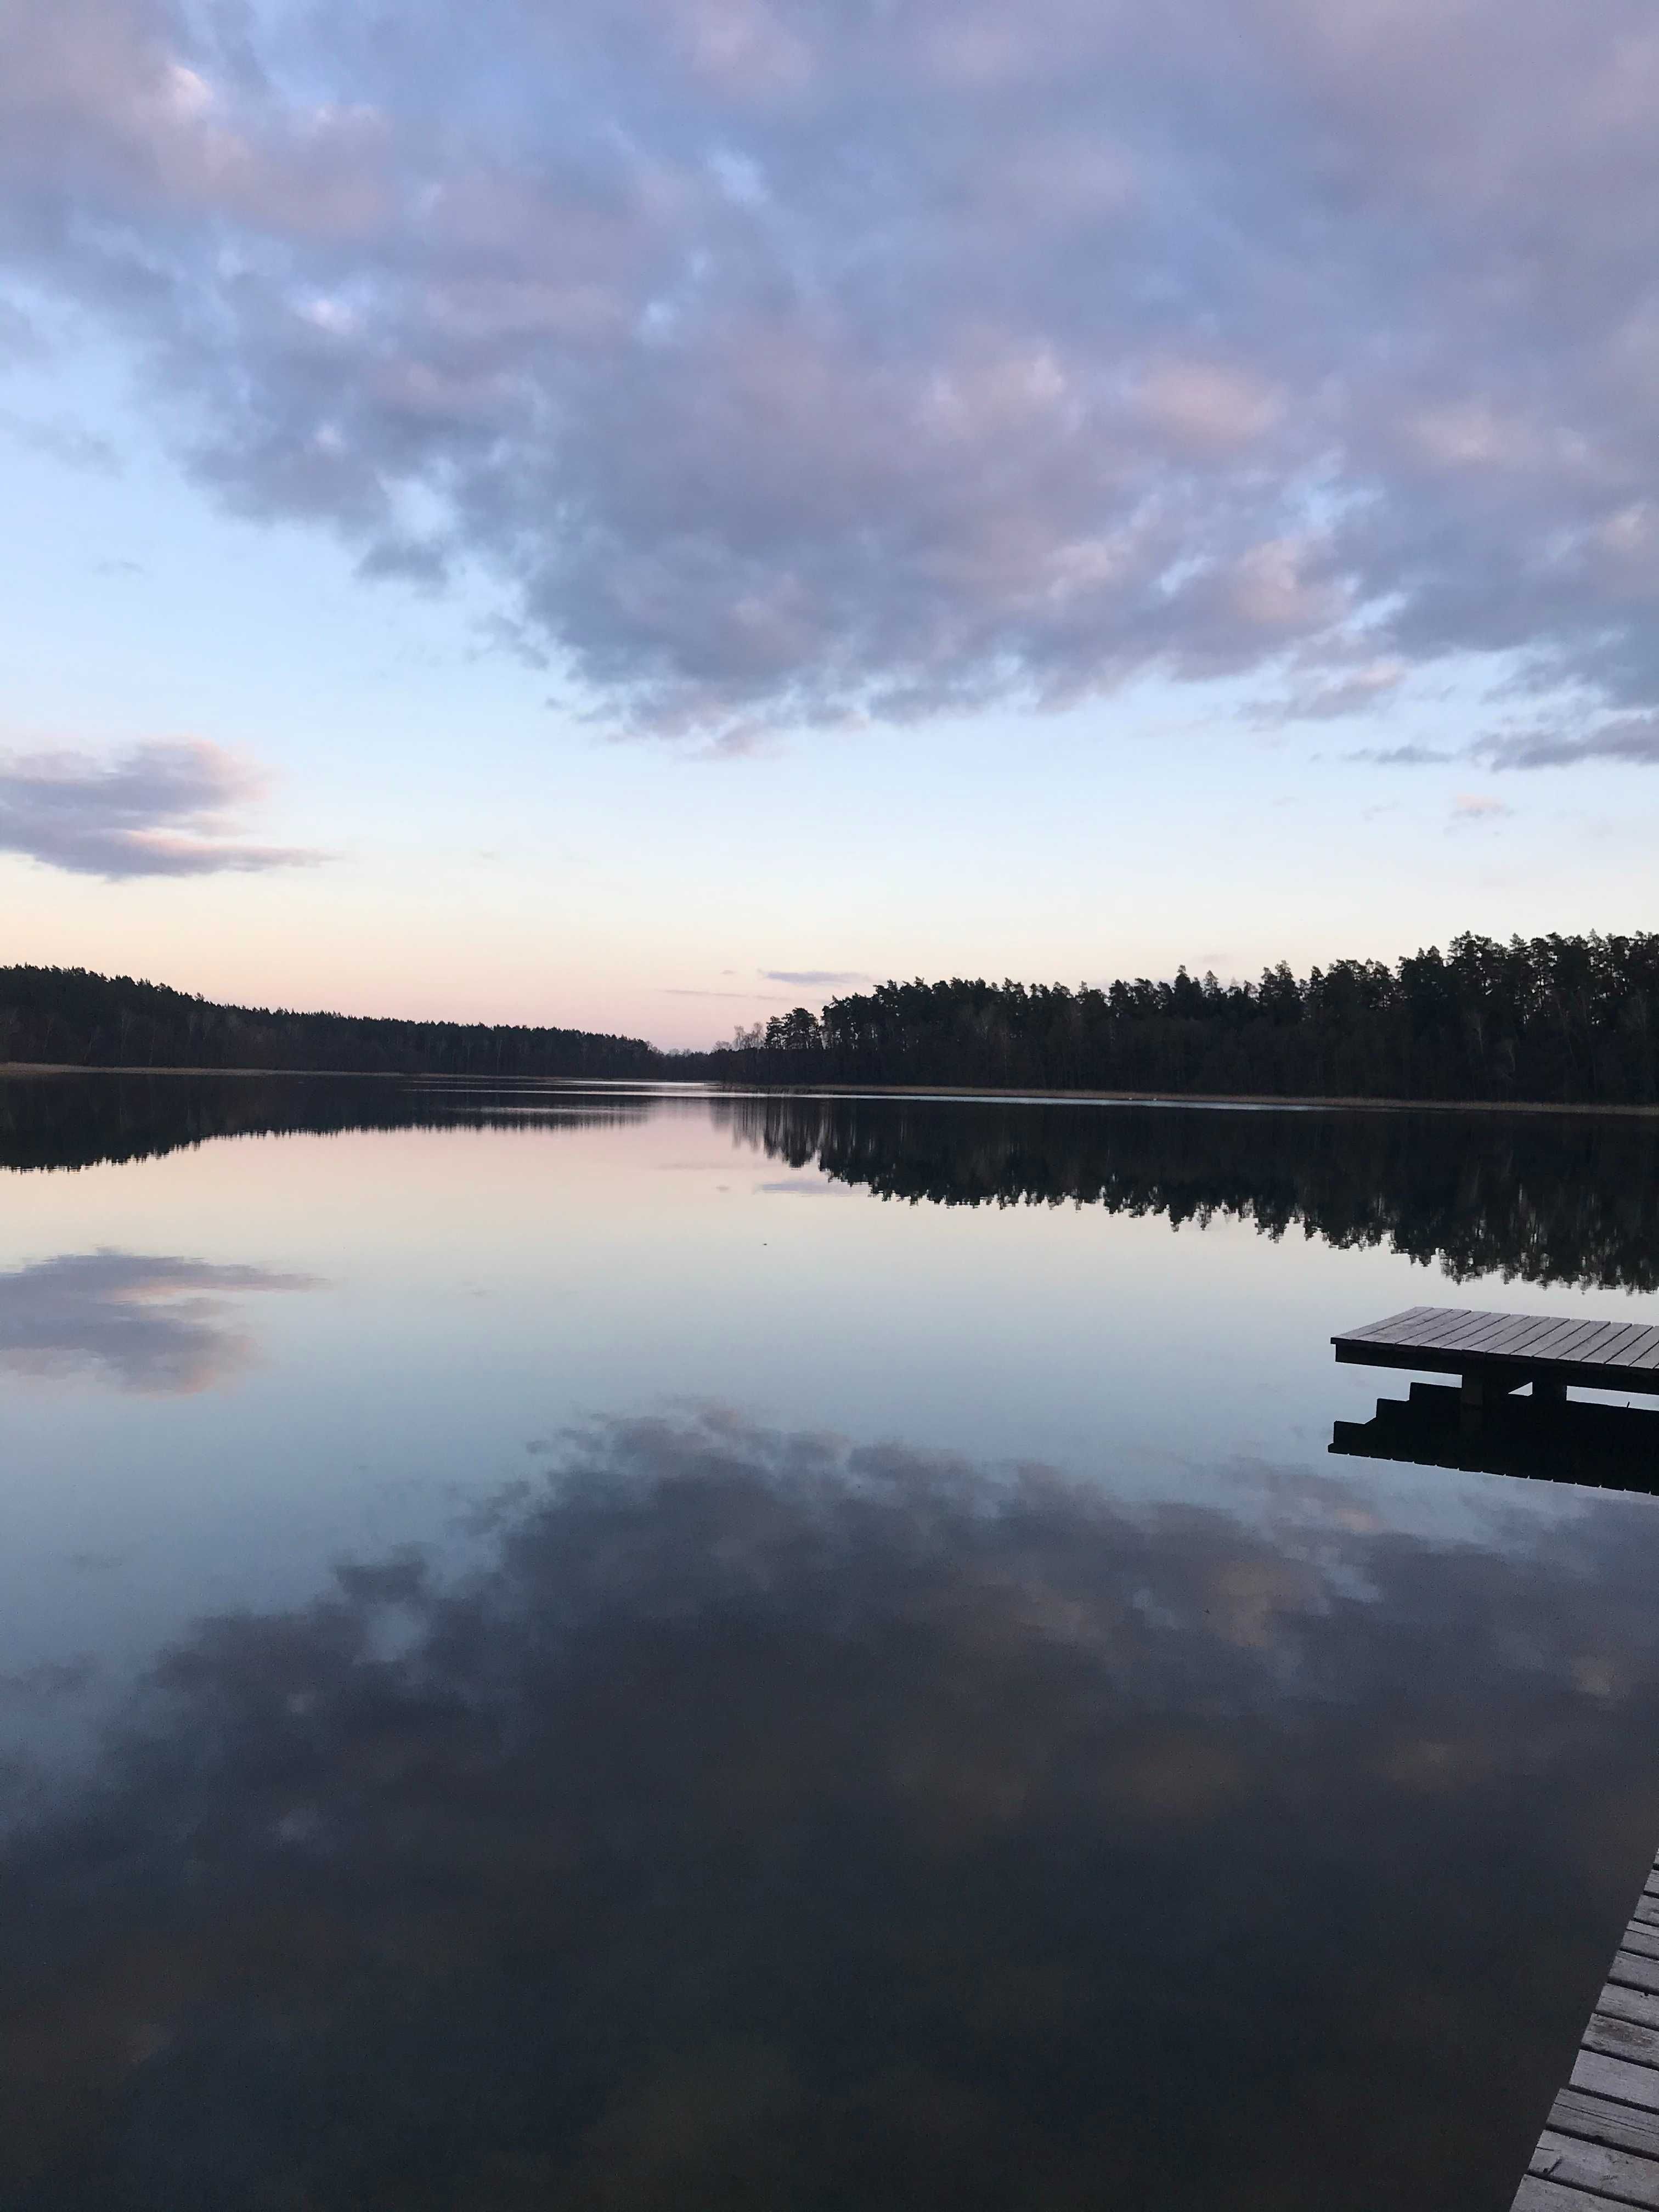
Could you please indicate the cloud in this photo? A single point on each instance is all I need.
(1408, 756)
(784, 364)
(145, 1322)
(814, 975)
(1632, 739)
(1344, 691)
(748, 997)
(19, 340)
(1470, 806)
(62, 442)
(158, 809)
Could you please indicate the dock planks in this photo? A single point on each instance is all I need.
(1600, 2143)
(1507, 1351)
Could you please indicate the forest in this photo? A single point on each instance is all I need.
(1550, 1019)
(71, 1018)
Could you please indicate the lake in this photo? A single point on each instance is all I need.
(623, 1647)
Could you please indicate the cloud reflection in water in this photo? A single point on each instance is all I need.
(771, 1823)
(146, 1322)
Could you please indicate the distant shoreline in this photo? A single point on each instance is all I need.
(1015, 1092)
(25, 1069)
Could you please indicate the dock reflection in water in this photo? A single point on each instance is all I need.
(1574, 1441)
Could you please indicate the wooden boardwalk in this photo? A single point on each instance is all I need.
(1600, 2144)
(1495, 1353)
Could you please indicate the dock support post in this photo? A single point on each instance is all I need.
(1472, 1404)
(1480, 1389)
(1476, 1392)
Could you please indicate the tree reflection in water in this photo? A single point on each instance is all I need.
(1547, 1197)
(771, 1823)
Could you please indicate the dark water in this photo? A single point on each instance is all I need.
(613, 1649)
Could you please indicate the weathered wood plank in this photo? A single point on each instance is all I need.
(1454, 1327)
(1609, 1333)
(1621, 2127)
(1559, 1346)
(1551, 1330)
(1622, 2038)
(1473, 1328)
(1407, 1324)
(1542, 1334)
(1596, 1348)
(1535, 2195)
(1600, 2143)
(1436, 1325)
(1629, 2004)
(1640, 1352)
(1629, 1336)
(1518, 1333)
(1604, 2172)
(1589, 1350)
(1396, 1325)
(1521, 1336)
(1635, 1973)
(1616, 2077)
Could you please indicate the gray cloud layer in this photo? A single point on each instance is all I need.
(1632, 738)
(158, 809)
(786, 362)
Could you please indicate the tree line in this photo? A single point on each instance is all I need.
(71, 1016)
(1555, 1019)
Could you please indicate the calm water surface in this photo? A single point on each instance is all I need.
(622, 1648)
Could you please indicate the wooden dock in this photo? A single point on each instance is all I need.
(1600, 2143)
(1497, 1353)
(1600, 2146)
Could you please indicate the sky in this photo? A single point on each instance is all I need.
(642, 512)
